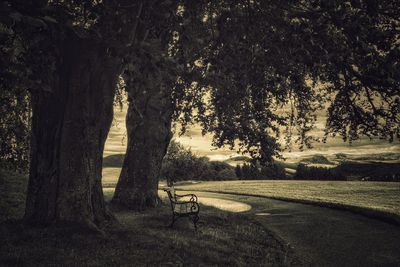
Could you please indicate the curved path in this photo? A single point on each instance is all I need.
(321, 236)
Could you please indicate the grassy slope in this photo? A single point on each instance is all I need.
(223, 239)
(12, 196)
(370, 198)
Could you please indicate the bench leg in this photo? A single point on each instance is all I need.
(195, 219)
(173, 221)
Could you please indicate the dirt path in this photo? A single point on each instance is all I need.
(321, 236)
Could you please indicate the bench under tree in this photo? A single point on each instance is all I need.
(183, 206)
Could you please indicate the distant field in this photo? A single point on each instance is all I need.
(376, 196)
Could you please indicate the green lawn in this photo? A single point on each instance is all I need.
(375, 196)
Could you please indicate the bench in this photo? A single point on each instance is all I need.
(183, 206)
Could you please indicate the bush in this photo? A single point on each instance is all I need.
(304, 172)
(181, 164)
(370, 171)
(341, 156)
(257, 172)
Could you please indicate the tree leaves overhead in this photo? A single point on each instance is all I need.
(271, 65)
(252, 73)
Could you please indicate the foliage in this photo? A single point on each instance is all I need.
(304, 172)
(14, 103)
(181, 164)
(256, 172)
(250, 70)
(350, 170)
(341, 156)
(14, 128)
(269, 66)
(370, 171)
(33, 35)
(247, 71)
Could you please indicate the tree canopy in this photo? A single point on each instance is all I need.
(248, 71)
(268, 66)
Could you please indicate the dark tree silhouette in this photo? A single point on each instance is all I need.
(71, 74)
(158, 80)
(271, 65)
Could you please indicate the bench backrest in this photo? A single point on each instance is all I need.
(171, 195)
(171, 192)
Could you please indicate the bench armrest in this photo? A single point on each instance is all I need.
(193, 197)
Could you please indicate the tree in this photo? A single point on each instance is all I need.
(273, 171)
(181, 164)
(256, 69)
(148, 124)
(271, 65)
(265, 67)
(72, 72)
(155, 78)
(149, 87)
(238, 171)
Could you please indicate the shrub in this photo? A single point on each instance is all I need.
(304, 172)
(181, 164)
(370, 171)
(275, 171)
(341, 156)
(257, 172)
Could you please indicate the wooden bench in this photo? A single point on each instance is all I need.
(183, 206)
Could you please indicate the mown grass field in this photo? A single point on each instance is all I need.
(375, 196)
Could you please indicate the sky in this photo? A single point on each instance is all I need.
(201, 145)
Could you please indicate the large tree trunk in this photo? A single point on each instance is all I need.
(69, 128)
(148, 124)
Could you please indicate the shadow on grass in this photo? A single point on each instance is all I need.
(143, 238)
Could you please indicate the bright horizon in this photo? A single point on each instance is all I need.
(201, 145)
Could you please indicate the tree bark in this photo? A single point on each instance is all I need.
(69, 127)
(148, 123)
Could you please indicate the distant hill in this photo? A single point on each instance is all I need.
(113, 161)
(239, 158)
(380, 157)
(317, 159)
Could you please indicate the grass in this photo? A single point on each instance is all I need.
(12, 196)
(142, 238)
(375, 199)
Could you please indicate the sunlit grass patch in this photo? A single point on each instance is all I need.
(375, 196)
